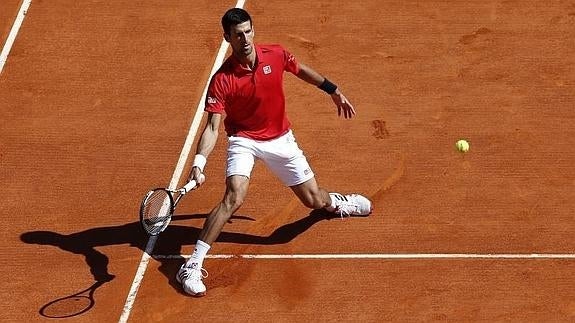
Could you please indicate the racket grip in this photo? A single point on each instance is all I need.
(188, 187)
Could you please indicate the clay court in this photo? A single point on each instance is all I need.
(97, 100)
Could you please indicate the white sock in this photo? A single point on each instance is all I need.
(200, 252)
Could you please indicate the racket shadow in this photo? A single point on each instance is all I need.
(73, 305)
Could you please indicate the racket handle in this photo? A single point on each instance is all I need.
(188, 187)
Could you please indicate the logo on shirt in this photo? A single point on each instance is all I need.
(212, 100)
(267, 69)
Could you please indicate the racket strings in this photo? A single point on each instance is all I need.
(157, 207)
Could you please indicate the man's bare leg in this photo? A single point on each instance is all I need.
(190, 274)
(236, 191)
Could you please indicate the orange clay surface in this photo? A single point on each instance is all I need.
(97, 97)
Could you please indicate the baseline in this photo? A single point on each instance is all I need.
(385, 256)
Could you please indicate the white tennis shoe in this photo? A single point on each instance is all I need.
(350, 205)
(191, 280)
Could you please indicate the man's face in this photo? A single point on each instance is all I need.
(241, 38)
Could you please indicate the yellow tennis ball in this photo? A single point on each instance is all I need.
(462, 145)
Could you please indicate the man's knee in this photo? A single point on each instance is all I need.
(236, 192)
(233, 200)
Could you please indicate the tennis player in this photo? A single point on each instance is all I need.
(248, 89)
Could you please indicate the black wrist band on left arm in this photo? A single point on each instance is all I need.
(327, 86)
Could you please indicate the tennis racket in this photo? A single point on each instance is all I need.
(158, 207)
(72, 305)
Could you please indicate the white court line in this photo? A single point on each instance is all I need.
(13, 32)
(175, 179)
(388, 256)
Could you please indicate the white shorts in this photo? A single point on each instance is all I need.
(281, 155)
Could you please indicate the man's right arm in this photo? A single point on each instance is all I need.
(206, 144)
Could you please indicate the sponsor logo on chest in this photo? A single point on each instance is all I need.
(267, 69)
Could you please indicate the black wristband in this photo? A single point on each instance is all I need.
(327, 86)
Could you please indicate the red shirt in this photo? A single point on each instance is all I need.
(253, 101)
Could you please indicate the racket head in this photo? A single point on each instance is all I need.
(156, 210)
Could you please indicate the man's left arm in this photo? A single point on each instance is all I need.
(343, 105)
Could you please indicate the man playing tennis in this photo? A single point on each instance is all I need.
(248, 88)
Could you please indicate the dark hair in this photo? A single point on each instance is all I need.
(234, 16)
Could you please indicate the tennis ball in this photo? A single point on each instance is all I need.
(462, 145)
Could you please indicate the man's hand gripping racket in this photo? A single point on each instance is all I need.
(158, 207)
